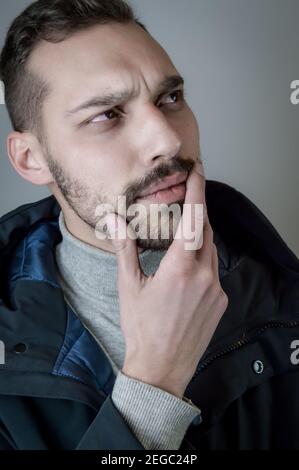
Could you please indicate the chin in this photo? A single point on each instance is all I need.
(159, 239)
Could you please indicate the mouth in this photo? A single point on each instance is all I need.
(168, 182)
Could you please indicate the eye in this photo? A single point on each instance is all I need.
(179, 94)
(113, 113)
(110, 114)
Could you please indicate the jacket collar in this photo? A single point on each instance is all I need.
(29, 234)
(245, 229)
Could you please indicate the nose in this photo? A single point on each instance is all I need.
(157, 138)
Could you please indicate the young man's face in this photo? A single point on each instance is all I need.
(97, 157)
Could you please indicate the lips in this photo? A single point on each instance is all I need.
(169, 181)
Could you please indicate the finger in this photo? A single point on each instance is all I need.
(205, 254)
(124, 244)
(188, 237)
(215, 262)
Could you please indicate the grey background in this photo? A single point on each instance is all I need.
(239, 58)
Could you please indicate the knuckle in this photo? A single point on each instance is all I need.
(217, 291)
(223, 294)
(185, 272)
(206, 277)
(216, 295)
(224, 299)
(120, 245)
(221, 303)
(183, 279)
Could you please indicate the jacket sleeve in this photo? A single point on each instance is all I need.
(139, 416)
(39, 423)
(109, 431)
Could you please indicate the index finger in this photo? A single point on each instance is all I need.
(190, 228)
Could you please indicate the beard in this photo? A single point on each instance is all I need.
(154, 229)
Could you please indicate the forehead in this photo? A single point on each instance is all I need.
(102, 57)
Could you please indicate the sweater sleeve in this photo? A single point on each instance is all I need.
(157, 418)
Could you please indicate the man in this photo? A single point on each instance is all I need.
(132, 342)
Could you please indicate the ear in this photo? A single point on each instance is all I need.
(26, 156)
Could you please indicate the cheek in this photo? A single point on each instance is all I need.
(186, 123)
(192, 127)
(106, 169)
(189, 133)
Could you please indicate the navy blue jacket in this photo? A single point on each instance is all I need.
(56, 382)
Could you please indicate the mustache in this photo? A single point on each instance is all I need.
(178, 164)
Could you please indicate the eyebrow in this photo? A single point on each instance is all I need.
(111, 99)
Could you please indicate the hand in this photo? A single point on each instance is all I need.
(168, 319)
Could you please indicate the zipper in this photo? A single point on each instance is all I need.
(233, 347)
(242, 342)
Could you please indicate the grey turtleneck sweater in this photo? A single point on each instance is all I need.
(88, 277)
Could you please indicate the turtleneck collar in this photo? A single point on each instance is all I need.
(90, 267)
(95, 263)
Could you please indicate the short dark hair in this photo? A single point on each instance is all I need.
(53, 21)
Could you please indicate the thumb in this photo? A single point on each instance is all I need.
(123, 239)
